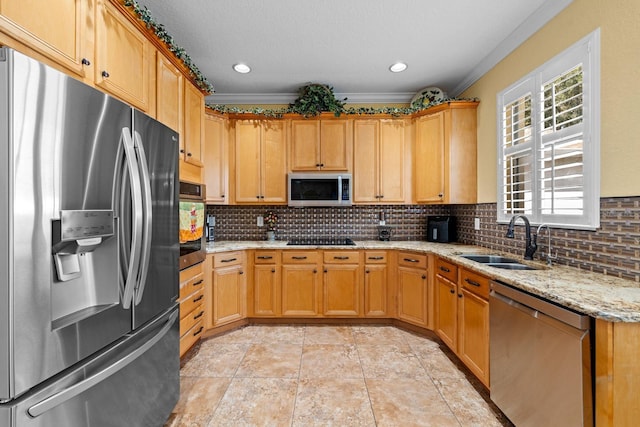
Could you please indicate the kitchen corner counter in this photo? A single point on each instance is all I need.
(597, 295)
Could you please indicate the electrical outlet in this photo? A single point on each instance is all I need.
(476, 223)
(260, 221)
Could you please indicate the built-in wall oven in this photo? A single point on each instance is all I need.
(192, 214)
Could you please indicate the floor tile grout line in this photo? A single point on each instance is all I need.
(295, 399)
(364, 379)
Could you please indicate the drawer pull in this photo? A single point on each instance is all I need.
(198, 299)
(229, 260)
(198, 332)
(376, 258)
(199, 282)
(341, 257)
(411, 260)
(199, 315)
(265, 257)
(472, 283)
(445, 269)
(298, 257)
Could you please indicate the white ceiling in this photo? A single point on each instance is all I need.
(347, 44)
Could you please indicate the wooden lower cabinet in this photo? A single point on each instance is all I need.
(267, 293)
(412, 288)
(342, 284)
(300, 290)
(191, 306)
(375, 284)
(229, 288)
(462, 315)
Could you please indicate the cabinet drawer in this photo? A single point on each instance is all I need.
(375, 257)
(191, 272)
(300, 257)
(266, 257)
(342, 257)
(227, 259)
(190, 337)
(475, 283)
(191, 319)
(191, 285)
(190, 304)
(447, 270)
(410, 259)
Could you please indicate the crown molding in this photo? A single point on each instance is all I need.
(287, 98)
(530, 26)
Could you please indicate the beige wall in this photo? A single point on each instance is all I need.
(619, 23)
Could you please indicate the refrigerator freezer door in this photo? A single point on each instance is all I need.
(62, 140)
(160, 289)
(134, 383)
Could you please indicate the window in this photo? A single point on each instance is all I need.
(549, 141)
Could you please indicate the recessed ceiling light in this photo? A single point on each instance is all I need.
(242, 68)
(398, 67)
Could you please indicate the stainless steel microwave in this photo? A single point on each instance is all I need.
(319, 189)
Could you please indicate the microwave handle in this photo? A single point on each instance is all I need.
(339, 188)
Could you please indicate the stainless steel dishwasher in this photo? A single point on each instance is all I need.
(540, 360)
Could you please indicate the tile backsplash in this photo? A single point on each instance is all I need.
(613, 249)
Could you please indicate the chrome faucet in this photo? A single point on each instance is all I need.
(550, 256)
(530, 246)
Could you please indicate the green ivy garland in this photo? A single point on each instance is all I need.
(278, 113)
(145, 16)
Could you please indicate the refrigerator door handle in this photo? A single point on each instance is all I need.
(147, 217)
(137, 214)
(74, 390)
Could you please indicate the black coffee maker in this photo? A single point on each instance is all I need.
(209, 229)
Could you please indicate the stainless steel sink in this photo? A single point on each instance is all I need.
(511, 266)
(498, 261)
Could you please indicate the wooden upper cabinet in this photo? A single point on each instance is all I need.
(56, 29)
(216, 154)
(260, 161)
(193, 124)
(445, 154)
(321, 145)
(123, 57)
(169, 95)
(379, 158)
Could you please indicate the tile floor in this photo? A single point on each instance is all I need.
(308, 375)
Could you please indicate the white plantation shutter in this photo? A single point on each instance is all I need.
(548, 141)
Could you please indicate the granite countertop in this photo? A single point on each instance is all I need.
(597, 295)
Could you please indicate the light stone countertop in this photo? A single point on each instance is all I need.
(600, 296)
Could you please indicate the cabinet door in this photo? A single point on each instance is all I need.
(429, 159)
(391, 164)
(305, 145)
(54, 28)
(335, 145)
(342, 292)
(229, 295)
(273, 162)
(169, 96)
(216, 166)
(266, 294)
(365, 161)
(447, 311)
(375, 290)
(247, 164)
(412, 295)
(123, 57)
(193, 124)
(300, 290)
(473, 340)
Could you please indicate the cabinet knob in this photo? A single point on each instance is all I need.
(424, 276)
(240, 272)
(325, 270)
(321, 165)
(315, 270)
(459, 295)
(181, 151)
(366, 271)
(452, 291)
(105, 74)
(189, 154)
(273, 270)
(85, 61)
(440, 195)
(222, 195)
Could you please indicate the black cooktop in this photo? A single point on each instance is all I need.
(320, 241)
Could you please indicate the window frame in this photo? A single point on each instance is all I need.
(585, 52)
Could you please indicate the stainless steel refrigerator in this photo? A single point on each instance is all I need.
(88, 255)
